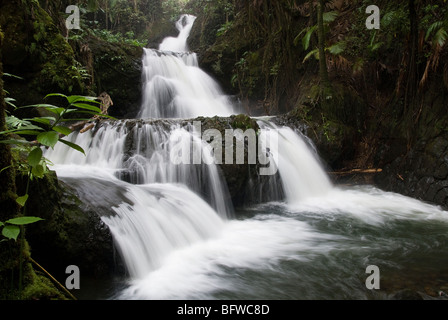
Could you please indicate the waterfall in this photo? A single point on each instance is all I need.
(173, 84)
(301, 173)
(179, 43)
(160, 219)
(149, 221)
(152, 205)
(139, 152)
(173, 222)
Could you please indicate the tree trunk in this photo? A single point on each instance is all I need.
(323, 72)
(7, 187)
(9, 250)
(107, 14)
(412, 81)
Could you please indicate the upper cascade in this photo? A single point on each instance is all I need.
(173, 84)
(179, 43)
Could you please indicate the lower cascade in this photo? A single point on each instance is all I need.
(180, 237)
(302, 175)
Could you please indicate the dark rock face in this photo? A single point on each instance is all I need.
(244, 183)
(418, 167)
(118, 71)
(72, 232)
(334, 142)
(421, 173)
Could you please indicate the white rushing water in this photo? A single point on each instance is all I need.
(173, 223)
(173, 84)
(302, 175)
(179, 43)
(140, 153)
(175, 245)
(148, 221)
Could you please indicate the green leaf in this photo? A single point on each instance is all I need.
(46, 106)
(73, 145)
(72, 99)
(433, 27)
(35, 156)
(40, 105)
(26, 132)
(330, 16)
(12, 76)
(87, 107)
(306, 39)
(49, 138)
(56, 95)
(75, 119)
(440, 37)
(11, 231)
(314, 53)
(44, 120)
(22, 200)
(38, 171)
(374, 47)
(337, 48)
(55, 110)
(64, 130)
(71, 111)
(81, 99)
(23, 220)
(389, 17)
(1, 224)
(89, 112)
(10, 101)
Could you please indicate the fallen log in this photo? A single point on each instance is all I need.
(356, 171)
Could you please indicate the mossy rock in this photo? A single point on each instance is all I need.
(38, 286)
(118, 70)
(335, 141)
(35, 50)
(159, 31)
(70, 234)
(243, 122)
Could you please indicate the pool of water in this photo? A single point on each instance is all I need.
(318, 250)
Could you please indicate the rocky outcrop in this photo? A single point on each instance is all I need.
(334, 141)
(244, 183)
(72, 232)
(414, 152)
(117, 71)
(421, 173)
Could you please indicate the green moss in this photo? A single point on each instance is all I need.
(243, 122)
(59, 68)
(35, 49)
(36, 286)
(39, 287)
(119, 74)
